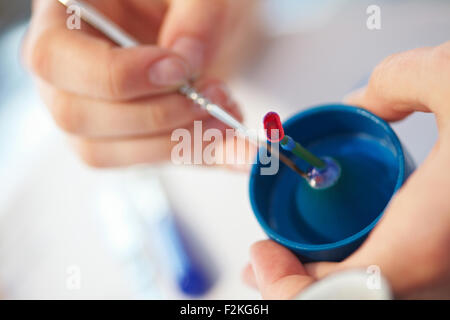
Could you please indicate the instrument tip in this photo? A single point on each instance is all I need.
(272, 121)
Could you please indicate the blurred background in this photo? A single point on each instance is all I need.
(71, 232)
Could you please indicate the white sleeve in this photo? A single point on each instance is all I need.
(356, 284)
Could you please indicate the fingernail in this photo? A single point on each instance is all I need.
(219, 93)
(191, 49)
(168, 72)
(215, 94)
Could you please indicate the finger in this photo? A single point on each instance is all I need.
(191, 29)
(248, 276)
(185, 146)
(421, 262)
(94, 118)
(278, 272)
(140, 18)
(416, 80)
(76, 61)
(198, 29)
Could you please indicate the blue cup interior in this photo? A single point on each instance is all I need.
(316, 226)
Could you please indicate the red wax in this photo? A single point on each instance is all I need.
(272, 121)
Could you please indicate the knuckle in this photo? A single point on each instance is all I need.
(439, 67)
(89, 153)
(442, 52)
(65, 114)
(159, 117)
(440, 57)
(378, 75)
(385, 71)
(37, 56)
(116, 78)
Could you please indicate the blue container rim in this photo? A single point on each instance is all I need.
(333, 245)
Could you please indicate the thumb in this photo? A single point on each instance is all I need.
(277, 272)
(416, 80)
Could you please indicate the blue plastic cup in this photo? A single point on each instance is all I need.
(328, 225)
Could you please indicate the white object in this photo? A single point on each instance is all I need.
(348, 285)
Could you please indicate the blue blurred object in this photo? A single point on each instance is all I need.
(170, 241)
(191, 276)
(329, 224)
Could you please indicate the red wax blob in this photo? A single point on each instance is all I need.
(272, 121)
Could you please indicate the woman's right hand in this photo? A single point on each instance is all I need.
(120, 104)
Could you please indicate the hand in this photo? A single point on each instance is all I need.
(411, 243)
(120, 104)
